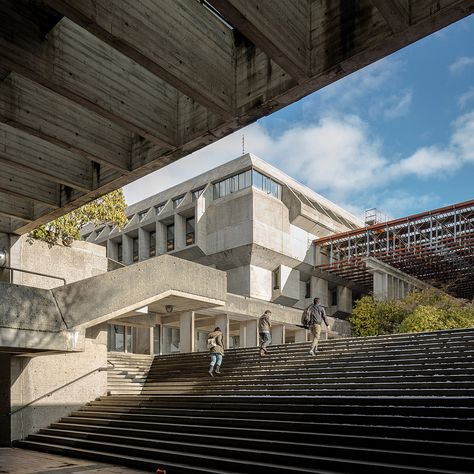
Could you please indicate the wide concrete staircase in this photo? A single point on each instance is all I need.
(400, 404)
(127, 373)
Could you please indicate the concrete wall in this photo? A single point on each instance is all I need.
(260, 283)
(81, 260)
(5, 382)
(56, 385)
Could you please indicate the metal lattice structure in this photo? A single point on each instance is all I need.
(436, 247)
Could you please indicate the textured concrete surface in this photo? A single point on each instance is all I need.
(22, 461)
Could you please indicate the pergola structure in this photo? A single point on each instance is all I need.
(97, 93)
(437, 247)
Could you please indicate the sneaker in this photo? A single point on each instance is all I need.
(311, 353)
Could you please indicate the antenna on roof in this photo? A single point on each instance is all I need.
(243, 144)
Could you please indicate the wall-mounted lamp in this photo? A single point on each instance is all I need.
(169, 308)
(3, 257)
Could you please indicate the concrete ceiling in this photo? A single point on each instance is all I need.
(95, 94)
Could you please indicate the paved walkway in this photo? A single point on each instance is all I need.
(23, 461)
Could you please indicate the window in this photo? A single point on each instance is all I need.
(159, 208)
(233, 184)
(333, 296)
(152, 252)
(177, 201)
(276, 278)
(266, 184)
(190, 230)
(170, 237)
(135, 249)
(119, 252)
(307, 293)
(197, 193)
(141, 215)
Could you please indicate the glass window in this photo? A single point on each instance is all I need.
(276, 278)
(170, 340)
(170, 237)
(177, 201)
(152, 244)
(333, 296)
(159, 208)
(190, 230)
(141, 215)
(116, 338)
(308, 289)
(232, 185)
(135, 249)
(266, 184)
(197, 193)
(119, 252)
(157, 339)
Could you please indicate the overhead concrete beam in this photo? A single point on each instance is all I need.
(77, 65)
(37, 111)
(280, 29)
(158, 35)
(395, 12)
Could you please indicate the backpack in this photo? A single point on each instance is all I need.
(306, 317)
(211, 342)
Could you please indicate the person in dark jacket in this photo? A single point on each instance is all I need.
(215, 344)
(314, 315)
(264, 331)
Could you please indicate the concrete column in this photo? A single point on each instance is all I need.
(222, 321)
(151, 343)
(344, 299)
(243, 334)
(278, 334)
(179, 232)
(252, 333)
(186, 332)
(380, 286)
(127, 249)
(160, 238)
(143, 244)
(5, 401)
(112, 249)
(301, 335)
(319, 289)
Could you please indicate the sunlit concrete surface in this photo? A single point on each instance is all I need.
(20, 461)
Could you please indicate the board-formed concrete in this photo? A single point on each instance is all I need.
(96, 94)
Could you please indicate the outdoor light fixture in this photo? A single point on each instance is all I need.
(169, 308)
(3, 257)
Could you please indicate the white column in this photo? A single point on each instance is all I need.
(243, 334)
(301, 335)
(179, 232)
(380, 286)
(319, 289)
(127, 249)
(222, 321)
(143, 244)
(160, 238)
(252, 333)
(186, 332)
(278, 334)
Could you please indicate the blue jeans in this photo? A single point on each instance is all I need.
(265, 339)
(216, 358)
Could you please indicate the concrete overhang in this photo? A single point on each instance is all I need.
(56, 319)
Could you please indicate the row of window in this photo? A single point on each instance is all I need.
(170, 240)
(245, 180)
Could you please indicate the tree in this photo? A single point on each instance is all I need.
(106, 209)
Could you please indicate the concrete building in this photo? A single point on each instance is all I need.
(252, 221)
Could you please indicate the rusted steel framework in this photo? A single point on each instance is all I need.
(435, 246)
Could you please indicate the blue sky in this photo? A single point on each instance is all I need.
(397, 135)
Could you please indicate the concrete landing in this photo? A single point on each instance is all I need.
(22, 461)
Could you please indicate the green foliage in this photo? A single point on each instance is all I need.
(106, 209)
(426, 310)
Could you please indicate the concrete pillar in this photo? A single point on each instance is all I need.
(152, 342)
(278, 334)
(301, 335)
(127, 249)
(243, 334)
(380, 286)
(344, 299)
(160, 238)
(252, 333)
(143, 244)
(186, 332)
(112, 250)
(319, 289)
(5, 400)
(222, 321)
(179, 232)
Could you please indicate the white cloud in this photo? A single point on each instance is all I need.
(461, 63)
(337, 157)
(398, 105)
(465, 98)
